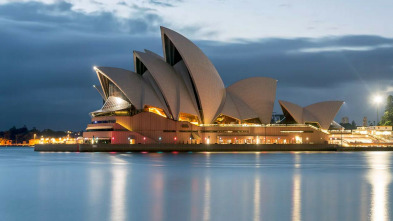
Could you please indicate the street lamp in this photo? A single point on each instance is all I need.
(377, 101)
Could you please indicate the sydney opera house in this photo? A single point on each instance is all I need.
(181, 98)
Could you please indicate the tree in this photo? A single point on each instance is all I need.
(354, 124)
(387, 118)
(348, 126)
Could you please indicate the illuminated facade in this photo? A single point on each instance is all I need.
(4, 142)
(180, 98)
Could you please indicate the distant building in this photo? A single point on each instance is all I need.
(365, 122)
(344, 120)
(374, 130)
(4, 142)
(60, 140)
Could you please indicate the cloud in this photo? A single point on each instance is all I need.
(161, 3)
(61, 16)
(341, 49)
(47, 59)
(330, 63)
(48, 51)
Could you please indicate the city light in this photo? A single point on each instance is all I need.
(377, 99)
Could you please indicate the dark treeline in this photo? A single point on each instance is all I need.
(349, 126)
(18, 135)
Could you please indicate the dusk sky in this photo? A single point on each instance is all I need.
(317, 50)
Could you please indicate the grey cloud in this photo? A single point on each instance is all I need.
(47, 59)
(275, 58)
(160, 3)
(59, 16)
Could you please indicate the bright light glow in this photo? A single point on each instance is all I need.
(95, 68)
(292, 131)
(378, 99)
(118, 100)
(386, 133)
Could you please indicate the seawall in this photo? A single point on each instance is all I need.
(183, 147)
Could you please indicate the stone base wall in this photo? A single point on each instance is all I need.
(185, 147)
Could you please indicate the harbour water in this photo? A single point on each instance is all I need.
(195, 186)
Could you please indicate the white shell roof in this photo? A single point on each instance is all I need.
(191, 106)
(176, 89)
(258, 93)
(230, 108)
(169, 82)
(208, 83)
(113, 104)
(132, 85)
(322, 112)
(296, 110)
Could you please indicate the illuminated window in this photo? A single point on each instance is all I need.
(189, 118)
(155, 110)
(252, 121)
(224, 119)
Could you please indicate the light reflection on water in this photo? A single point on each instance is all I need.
(118, 189)
(379, 176)
(296, 191)
(198, 186)
(257, 199)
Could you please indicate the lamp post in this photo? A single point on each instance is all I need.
(377, 101)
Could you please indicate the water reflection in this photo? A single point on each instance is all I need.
(206, 198)
(95, 190)
(296, 191)
(210, 186)
(379, 178)
(158, 190)
(257, 199)
(118, 189)
(257, 158)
